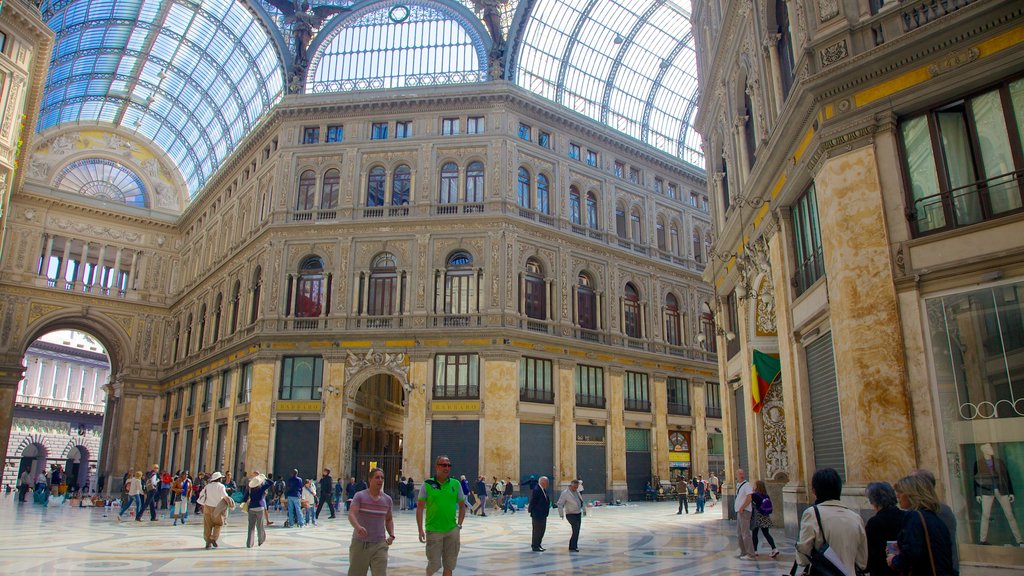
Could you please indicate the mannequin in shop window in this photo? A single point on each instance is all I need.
(992, 484)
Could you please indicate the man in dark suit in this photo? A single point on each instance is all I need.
(539, 508)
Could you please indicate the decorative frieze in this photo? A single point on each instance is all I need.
(954, 60)
(834, 53)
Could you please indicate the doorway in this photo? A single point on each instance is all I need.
(378, 419)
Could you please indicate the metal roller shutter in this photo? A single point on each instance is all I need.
(638, 461)
(296, 446)
(460, 441)
(537, 452)
(591, 461)
(826, 424)
(739, 409)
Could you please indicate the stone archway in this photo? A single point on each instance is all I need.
(77, 462)
(32, 456)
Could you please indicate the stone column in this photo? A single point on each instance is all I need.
(416, 434)
(699, 435)
(133, 446)
(870, 360)
(616, 434)
(260, 414)
(499, 418)
(11, 373)
(333, 413)
(659, 428)
(565, 421)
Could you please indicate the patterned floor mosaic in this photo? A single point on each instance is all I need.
(634, 540)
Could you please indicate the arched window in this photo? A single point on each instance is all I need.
(401, 185)
(534, 291)
(674, 238)
(574, 205)
(329, 190)
(382, 286)
(218, 305)
(375, 183)
(202, 327)
(309, 288)
(635, 228)
(707, 246)
(459, 287)
(631, 312)
(449, 193)
(620, 221)
(673, 326)
(257, 286)
(543, 200)
(592, 211)
(306, 197)
(698, 255)
(236, 296)
(177, 339)
(785, 46)
(475, 182)
(707, 328)
(586, 302)
(660, 233)
(523, 188)
(749, 132)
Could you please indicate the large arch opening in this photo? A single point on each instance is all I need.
(57, 425)
(377, 421)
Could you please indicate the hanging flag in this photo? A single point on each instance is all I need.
(764, 372)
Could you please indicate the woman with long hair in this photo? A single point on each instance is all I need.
(923, 546)
(762, 522)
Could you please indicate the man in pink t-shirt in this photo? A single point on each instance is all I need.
(374, 528)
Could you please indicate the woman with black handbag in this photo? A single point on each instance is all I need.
(924, 545)
(831, 534)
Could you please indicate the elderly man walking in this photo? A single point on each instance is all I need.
(215, 502)
(744, 507)
(572, 508)
(539, 508)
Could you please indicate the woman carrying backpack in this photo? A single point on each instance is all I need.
(762, 518)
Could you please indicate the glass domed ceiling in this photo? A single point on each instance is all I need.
(195, 77)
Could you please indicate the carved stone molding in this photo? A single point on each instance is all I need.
(834, 53)
(827, 9)
(954, 60)
(776, 449)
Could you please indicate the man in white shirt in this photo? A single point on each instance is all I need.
(744, 507)
(212, 498)
(571, 506)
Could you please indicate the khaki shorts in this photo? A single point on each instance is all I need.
(442, 550)
(372, 556)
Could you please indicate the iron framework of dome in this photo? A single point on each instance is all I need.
(195, 78)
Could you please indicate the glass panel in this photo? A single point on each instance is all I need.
(956, 148)
(996, 152)
(1017, 99)
(924, 181)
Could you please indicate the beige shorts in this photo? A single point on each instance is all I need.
(442, 550)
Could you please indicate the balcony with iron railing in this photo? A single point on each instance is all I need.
(713, 411)
(590, 401)
(808, 272)
(976, 202)
(537, 395)
(678, 409)
(637, 405)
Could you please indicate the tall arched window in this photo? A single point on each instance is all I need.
(177, 339)
(635, 228)
(459, 285)
(236, 296)
(707, 246)
(309, 288)
(574, 205)
(218, 305)
(449, 193)
(383, 286)
(660, 234)
(707, 328)
(523, 188)
(586, 302)
(306, 196)
(620, 221)
(631, 312)
(375, 183)
(785, 46)
(674, 238)
(401, 185)
(749, 132)
(188, 335)
(698, 255)
(475, 182)
(592, 221)
(329, 190)
(543, 195)
(534, 291)
(257, 287)
(673, 326)
(201, 341)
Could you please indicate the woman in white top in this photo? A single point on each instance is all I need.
(309, 502)
(134, 495)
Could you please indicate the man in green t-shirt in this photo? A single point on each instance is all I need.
(441, 496)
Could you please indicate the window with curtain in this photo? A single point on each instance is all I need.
(401, 185)
(236, 296)
(574, 205)
(635, 227)
(674, 238)
(631, 311)
(678, 396)
(542, 194)
(589, 386)
(475, 182)
(456, 376)
(309, 288)
(591, 211)
(305, 198)
(301, 378)
(459, 285)
(586, 302)
(383, 286)
(257, 286)
(329, 190)
(375, 184)
(637, 393)
(620, 221)
(673, 325)
(535, 380)
(245, 383)
(449, 186)
(660, 234)
(523, 188)
(698, 248)
(810, 265)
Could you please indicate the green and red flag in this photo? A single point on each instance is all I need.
(764, 373)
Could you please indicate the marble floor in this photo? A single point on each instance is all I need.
(632, 540)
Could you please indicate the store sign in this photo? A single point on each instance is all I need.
(456, 405)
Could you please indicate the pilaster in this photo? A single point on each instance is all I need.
(699, 437)
(10, 376)
(332, 415)
(565, 425)
(659, 428)
(615, 391)
(499, 420)
(261, 430)
(416, 434)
